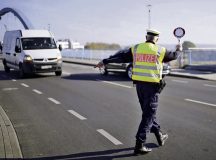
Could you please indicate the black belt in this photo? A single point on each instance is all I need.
(143, 82)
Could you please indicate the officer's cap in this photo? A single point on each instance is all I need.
(153, 32)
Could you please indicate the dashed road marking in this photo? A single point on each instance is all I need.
(77, 115)
(179, 81)
(9, 89)
(195, 101)
(116, 84)
(36, 91)
(25, 85)
(54, 101)
(208, 85)
(109, 137)
(14, 80)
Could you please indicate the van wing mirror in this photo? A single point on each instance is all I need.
(60, 47)
(17, 49)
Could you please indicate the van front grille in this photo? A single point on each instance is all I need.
(41, 59)
(44, 59)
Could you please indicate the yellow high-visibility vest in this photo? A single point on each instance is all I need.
(148, 62)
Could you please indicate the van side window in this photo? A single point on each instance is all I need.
(18, 46)
(18, 43)
(1, 46)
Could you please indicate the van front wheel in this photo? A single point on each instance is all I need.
(6, 68)
(21, 72)
(58, 73)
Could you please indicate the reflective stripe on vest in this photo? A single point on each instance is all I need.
(145, 74)
(147, 64)
(146, 67)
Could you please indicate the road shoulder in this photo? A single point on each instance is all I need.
(9, 144)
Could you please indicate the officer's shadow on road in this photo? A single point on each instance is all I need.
(98, 155)
(96, 76)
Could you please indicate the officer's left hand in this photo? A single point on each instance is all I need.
(99, 65)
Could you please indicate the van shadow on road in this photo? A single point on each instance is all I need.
(3, 76)
(15, 75)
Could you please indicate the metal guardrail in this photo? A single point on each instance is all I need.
(88, 54)
(200, 56)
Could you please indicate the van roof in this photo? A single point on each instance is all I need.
(36, 33)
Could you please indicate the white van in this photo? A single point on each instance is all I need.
(31, 51)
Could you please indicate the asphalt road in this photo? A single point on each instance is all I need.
(83, 115)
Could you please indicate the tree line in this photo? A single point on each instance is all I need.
(102, 46)
(188, 44)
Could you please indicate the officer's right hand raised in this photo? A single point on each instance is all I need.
(178, 47)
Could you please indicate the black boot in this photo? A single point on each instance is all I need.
(161, 138)
(141, 149)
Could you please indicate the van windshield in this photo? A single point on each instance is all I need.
(38, 43)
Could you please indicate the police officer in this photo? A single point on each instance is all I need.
(147, 58)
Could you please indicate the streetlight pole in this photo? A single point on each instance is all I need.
(49, 26)
(149, 15)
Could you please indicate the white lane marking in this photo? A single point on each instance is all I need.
(116, 84)
(25, 85)
(109, 137)
(14, 80)
(195, 101)
(9, 89)
(179, 81)
(36, 91)
(208, 85)
(54, 101)
(77, 115)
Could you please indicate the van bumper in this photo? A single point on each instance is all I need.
(31, 67)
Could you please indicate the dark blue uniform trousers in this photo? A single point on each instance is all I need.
(148, 98)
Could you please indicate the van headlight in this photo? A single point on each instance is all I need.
(59, 59)
(27, 58)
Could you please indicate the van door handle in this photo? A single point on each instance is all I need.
(14, 54)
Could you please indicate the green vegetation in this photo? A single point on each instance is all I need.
(102, 46)
(188, 44)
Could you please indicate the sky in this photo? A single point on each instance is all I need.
(116, 21)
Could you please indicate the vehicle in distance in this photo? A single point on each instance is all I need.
(31, 51)
(128, 67)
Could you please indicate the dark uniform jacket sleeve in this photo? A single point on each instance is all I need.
(126, 56)
(120, 57)
(170, 55)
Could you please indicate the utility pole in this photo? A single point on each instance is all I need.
(49, 27)
(149, 15)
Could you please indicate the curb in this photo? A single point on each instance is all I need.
(9, 144)
(79, 62)
(186, 76)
